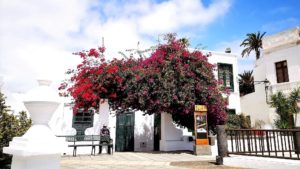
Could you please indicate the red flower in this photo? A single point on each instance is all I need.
(93, 52)
(102, 49)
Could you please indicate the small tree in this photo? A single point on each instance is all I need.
(10, 126)
(294, 100)
(286, 107)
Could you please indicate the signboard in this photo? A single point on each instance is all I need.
(201, 108)
(201, 128)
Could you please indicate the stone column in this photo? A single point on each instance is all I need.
(162, 142)
(38, 147)
(222, 141)
(297, 134)
(104, 113)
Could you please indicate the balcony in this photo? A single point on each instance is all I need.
(285, 88)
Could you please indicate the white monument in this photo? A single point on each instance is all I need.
(38, 147)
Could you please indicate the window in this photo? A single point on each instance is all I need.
(225, 75)
(82, 120)
(282, 72)
(231, 111)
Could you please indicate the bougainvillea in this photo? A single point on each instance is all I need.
(95, 79)
(173, 80)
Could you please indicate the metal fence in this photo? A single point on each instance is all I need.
(265, 143)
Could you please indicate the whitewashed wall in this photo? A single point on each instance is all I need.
(228, 58)
(143, 132)
(173, 137)
(279, 47)
(291, 55)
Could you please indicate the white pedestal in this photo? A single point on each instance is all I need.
(32, 162)
(38, 148)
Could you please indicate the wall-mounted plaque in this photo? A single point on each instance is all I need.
(201, 128)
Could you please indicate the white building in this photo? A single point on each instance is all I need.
(138, 132)
(280, 65)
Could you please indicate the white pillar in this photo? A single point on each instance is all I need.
(104, 113)
(38, 147)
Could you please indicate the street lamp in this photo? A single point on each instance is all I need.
(267, 84)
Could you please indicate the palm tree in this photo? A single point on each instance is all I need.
(246, 82)
(253, 42)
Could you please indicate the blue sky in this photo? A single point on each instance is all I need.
(246, 16)
(37, 38)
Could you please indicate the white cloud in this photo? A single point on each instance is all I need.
(173, 15)
(37, 38)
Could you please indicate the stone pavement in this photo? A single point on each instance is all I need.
(130, 160)
(261, 162)
(176, 160)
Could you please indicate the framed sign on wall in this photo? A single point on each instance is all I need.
(201, 127)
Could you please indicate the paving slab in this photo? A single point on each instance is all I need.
(260, 162)
(129, 160)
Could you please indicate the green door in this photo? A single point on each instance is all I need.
(125, 132)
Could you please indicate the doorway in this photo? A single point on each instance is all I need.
(125, 132)
(157, 131)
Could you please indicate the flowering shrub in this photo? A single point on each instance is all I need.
(173, 80)
(96, 78)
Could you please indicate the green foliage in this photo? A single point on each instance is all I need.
(238, 121)
(246, 83)
(10, 126)
(245, 121)
(285, 108)
(233, 121)
(253, 42)
(294, 99)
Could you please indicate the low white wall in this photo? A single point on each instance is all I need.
(255, 106)
(143, 132)
(173, 137)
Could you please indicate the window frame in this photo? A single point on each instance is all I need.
(231, 80)
(282, 72)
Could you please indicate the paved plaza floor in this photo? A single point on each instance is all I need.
(136, 160)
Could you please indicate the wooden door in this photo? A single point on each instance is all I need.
(125, 132)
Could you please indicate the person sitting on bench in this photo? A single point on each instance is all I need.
(105, 139)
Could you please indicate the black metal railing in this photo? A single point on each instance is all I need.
(265, 143)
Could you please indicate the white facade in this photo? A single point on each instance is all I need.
(172, 137)
(229, 58)
(284, 46)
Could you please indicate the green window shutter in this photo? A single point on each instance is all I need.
(225, 73)
(231, 77)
